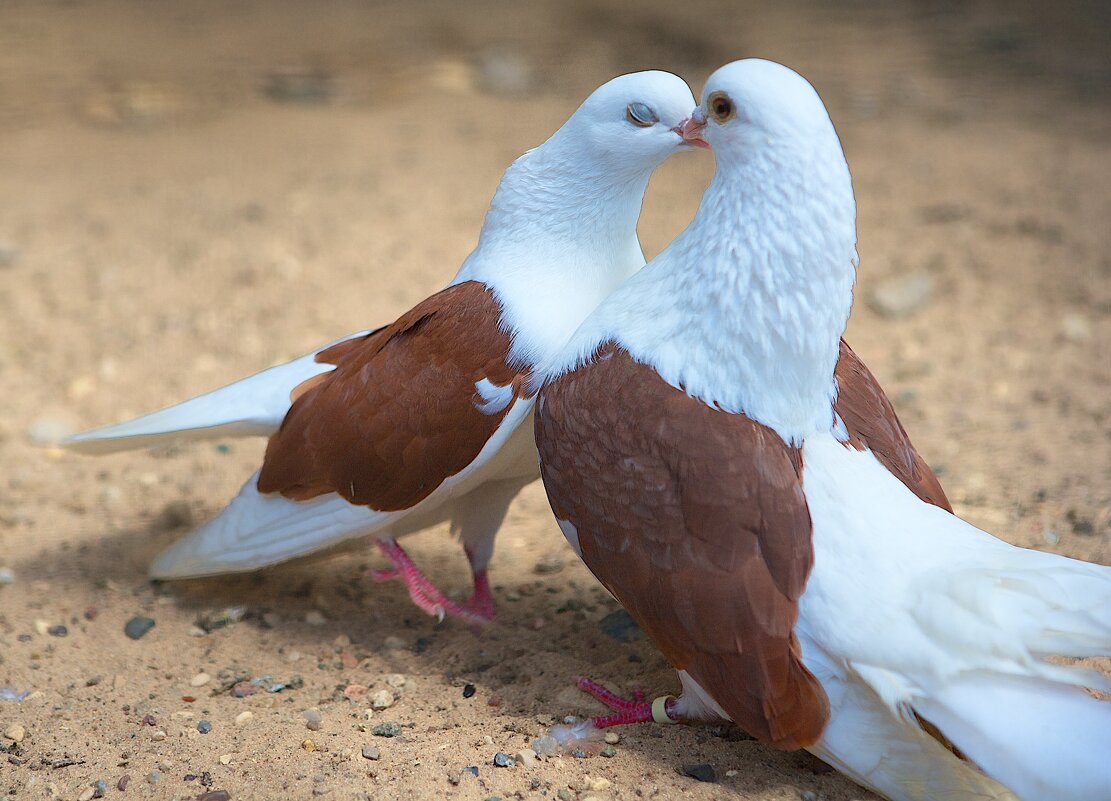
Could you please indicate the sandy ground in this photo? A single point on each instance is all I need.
(192, 192)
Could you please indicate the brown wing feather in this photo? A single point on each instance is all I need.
(696, 521)
(397, 416)
(872, 423)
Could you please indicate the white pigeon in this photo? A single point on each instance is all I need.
(428, 419)
(716, 455)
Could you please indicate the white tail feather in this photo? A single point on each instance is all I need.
(1045, 740)
(253, 406)
(871, 744)
(257, 530)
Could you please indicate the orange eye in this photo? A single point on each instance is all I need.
(721, 108)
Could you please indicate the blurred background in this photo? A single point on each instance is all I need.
(192, 191)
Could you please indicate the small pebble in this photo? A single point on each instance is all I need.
(563, 794)
(621, 626)
(6, 576)
(125, 780)
(355, 690)
(700, 771)
(100, 787)
(308, 745)
(137, 627)
(503, 760)
(1076, 328)
(225, 759)
(154, 777)
(203, 726)
(808, 795)
(900, 295)
(86, 794)
(200, 680)
(306, 85)
(395, 680)
(57, 631)
(158, 736)
(383, 699)
(214, 795)
(468, 690)
(49, 430)
(599, 784)
(579, 753)
(526, 757)
(612, 737)
(609, 752)
(15, 733)
(371, 752)
(313, 720)
(243, 717)
(471, 769)
(388, 729)
(552, 563)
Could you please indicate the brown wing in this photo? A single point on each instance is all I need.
(872, 423)
(398, 415)
(696, 521)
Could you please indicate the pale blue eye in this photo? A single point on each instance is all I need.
(641, 115)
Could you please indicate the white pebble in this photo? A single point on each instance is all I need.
(383, 699)
(243, 717)
(200, 680)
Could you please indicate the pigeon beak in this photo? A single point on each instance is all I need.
(691, 129)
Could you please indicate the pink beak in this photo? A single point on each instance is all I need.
(691, 129)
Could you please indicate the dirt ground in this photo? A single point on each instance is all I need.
(192, 192)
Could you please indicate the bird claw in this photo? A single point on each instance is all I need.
(478, 611)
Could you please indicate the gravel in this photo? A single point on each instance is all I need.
(137, 627)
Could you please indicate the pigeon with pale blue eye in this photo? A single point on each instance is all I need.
(641, 115)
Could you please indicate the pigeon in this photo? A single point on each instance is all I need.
(730, 471)
(429, 419)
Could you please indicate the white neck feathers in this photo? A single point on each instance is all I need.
(745, 309)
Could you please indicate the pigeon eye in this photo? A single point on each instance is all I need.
(641, 115)
(721, 108)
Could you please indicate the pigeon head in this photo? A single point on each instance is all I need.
(632, 123)
(752, 106)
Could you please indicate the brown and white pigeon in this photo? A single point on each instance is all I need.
(730, 471)
(427, 419)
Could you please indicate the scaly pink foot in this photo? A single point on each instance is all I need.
(479, 610)
(634, 710)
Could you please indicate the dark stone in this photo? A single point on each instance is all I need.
(215, 795)
(137, 627)
(503, 760)
(471, 769)
(468, 690)
(203, 726)
(389, 729)
(57, 631)
(700, 771)
(621, 626)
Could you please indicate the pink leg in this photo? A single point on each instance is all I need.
(482, 602)
(425, 594)
(635, 710)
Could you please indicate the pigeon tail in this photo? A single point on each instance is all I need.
(253, 406)
(257, 530)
